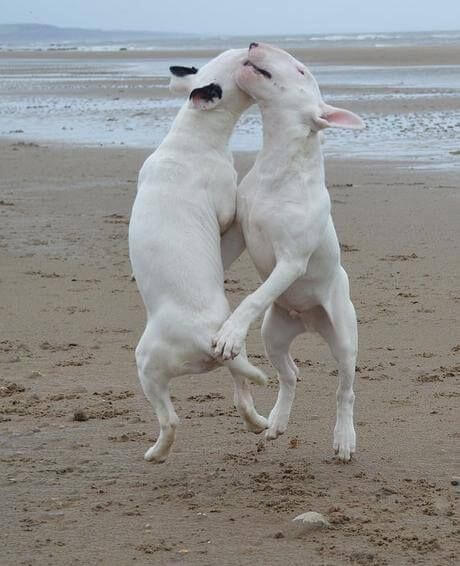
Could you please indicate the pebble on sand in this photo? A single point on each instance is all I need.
(308, 521)
(35, 374)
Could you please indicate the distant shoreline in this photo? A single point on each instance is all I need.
(330, 54)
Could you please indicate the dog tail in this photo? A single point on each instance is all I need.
(243, 367)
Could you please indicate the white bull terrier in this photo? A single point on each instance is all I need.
(186, 199)
(284, 210)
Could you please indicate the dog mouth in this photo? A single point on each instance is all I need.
(258, 70)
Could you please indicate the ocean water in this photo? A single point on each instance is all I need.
(411, 112)
(174, 42)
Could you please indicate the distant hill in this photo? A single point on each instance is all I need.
(40, 33)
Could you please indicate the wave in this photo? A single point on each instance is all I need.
(355, 37)
(446, 35)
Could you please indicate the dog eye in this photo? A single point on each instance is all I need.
(301, 72)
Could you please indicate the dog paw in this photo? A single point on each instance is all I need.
(344, 442)
(277, 425)
(155, 456)
(276, 428)
(227, 343)
(273, 432)
(257, 425)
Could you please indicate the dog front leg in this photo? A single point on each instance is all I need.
(229, 340)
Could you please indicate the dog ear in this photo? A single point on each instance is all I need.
(179, 71)
(182, 79)
(331, 117)
(206, 97)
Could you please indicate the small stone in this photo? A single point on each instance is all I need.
(442, 506)
(307, 522)
(35, 374)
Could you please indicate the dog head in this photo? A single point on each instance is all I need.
(214, 85)
(275, 79)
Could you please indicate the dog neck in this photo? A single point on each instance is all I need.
(207, 128)
(289, 148)
(288, 143)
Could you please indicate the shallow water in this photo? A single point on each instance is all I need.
(126, 102)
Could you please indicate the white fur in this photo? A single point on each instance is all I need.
(186, 199)
(283, 207)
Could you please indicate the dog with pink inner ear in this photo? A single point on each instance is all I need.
(284, 211)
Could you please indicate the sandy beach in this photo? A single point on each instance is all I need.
(74, 423)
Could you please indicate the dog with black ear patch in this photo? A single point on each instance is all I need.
(181, 238)
(181, 79)
(179, 71)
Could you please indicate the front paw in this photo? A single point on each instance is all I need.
(344, 441)
(277, 425)
(227, 343)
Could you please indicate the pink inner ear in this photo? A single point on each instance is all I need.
(340, 118)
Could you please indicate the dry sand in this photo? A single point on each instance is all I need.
(75, 424)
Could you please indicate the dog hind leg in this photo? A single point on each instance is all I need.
(154, 377)
(242, 397)
(336, 322)
(278, 331)
(242, 366)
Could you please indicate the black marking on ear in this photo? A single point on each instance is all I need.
(208, 92)
(179, 71)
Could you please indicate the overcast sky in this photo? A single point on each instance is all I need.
(239, 16)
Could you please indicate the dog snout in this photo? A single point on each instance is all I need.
(252, 45)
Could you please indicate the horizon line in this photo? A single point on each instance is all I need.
(231, 34)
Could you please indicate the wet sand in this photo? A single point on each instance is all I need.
(74, 423)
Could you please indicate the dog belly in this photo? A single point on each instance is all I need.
(313, 288)
(301, 296)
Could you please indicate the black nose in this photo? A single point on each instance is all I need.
(253, 44)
